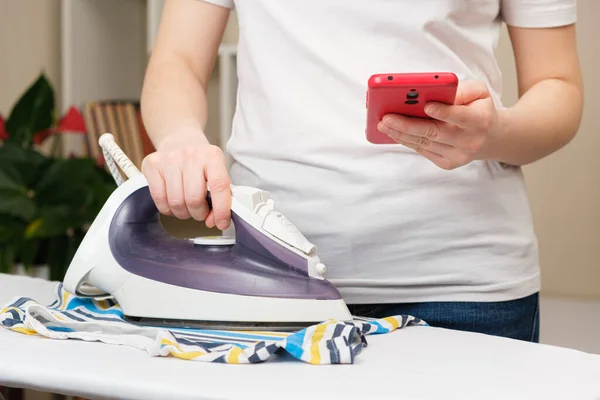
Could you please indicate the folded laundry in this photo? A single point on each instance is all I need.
(101, 320)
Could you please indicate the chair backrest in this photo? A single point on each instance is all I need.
(123, 119)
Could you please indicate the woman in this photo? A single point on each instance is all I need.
(438, 225)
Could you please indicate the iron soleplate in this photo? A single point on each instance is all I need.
(221, 325)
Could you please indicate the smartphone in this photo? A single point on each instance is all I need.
(405, 94)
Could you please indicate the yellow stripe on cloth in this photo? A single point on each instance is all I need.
(392, 321)
(188, 355)
(59, 317)
(65, 297)
(315, 353)
(102, 304)
(167, 342)
(7, 309)
(234, 355)
(185, 355)
(26, 331)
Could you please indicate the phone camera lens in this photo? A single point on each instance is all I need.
(436, 77)
(390, 78)
(412, 95)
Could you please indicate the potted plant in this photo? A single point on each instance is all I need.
(47, 201)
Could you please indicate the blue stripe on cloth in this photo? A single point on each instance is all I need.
(59, 297)
(380, 328)
(256, 357)
(294, 344)
(338, 330)
(88, 304)
(60, 328)
(70, 315)
(334, 353)
(20, 302)
(9, 323)
(221, 359)
(207, 344)
(96, 318)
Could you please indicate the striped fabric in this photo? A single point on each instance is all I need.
(71, 317)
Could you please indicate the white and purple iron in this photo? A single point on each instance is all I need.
(267, 277)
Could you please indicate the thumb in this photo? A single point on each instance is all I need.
(471, 90)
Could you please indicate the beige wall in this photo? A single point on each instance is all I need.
(566, 212)
(29, 44)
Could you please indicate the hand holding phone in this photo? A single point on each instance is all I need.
(405, 94)
(462, 124)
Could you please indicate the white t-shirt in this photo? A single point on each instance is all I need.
(389, 224)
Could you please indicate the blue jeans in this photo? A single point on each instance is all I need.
(515, 319)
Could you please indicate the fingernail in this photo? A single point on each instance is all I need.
(383, 128)
(222, 225)
(385, 121)
(431, 109)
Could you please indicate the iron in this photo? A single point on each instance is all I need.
(267, 276)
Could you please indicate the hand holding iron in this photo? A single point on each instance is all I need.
(457, 134)
(178, 174)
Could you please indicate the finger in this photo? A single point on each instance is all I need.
(220, 192)
(430, 129)
(423, 142)
(194, 191)
(458, 115)
(156, 185)
(437, 159)
(210, 219)
(425, 152)
(173, 179)
(471, 90)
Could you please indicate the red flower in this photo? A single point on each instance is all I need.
(39, 137)
(3, 133)
(72, 122)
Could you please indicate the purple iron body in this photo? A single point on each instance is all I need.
(143, 247)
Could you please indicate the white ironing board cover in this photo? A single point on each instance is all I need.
(419, 363)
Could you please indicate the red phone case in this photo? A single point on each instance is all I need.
(405, 94)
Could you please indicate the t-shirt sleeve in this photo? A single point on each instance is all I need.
(539, 13)
(222, 3)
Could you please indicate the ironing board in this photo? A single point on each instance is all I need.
(411, 363)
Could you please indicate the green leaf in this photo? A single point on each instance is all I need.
(7, 257)
(32, 113)
(54, 221)
(10, 178)
(28, 252)
(17, 204)
(58, 257)
(100, 191)
(11, 228)
(24, 164)
(15, 153)
(65, 181)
